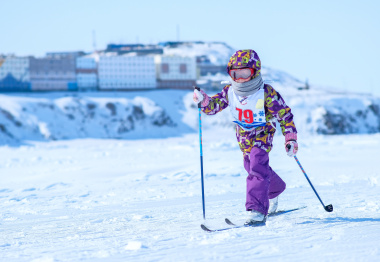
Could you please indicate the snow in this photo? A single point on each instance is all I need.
(116, 177)
(99, 115)
(140, 200)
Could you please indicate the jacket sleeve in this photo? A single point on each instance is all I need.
(277, 108)
(217, 102)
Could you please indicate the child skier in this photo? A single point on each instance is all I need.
(254, 106)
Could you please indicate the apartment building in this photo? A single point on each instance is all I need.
(119, 67)
(87, 72)
(125, 72)
(177, 72)
(14, 73)
(54, 72)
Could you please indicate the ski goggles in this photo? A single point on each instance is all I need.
(241, 73)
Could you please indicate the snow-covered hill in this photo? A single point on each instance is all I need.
(314, 113)
(317, 109)
(66, 116)
(163, 113)
(154, 114)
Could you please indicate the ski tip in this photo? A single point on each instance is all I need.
(205, 228)
(229, 222)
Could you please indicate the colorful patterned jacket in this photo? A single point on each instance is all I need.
(261, 137)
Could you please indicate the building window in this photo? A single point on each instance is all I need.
(165, 68)
(182, 68)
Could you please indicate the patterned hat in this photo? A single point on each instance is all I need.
(247, 58)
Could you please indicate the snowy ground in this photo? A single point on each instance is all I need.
(140, 200)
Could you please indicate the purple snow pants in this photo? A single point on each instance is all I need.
(262, 182)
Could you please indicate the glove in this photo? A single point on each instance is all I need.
(291, 145)
(197, 96)
(201, 97)
(291, 148)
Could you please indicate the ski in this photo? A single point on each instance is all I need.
(205, 228)
(286, 211)
(234, 226)
(280, 212)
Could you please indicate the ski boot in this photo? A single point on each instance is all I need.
(255, 218)
(273, 204)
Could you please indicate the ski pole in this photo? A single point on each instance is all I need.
(201, 155)
(328, 208)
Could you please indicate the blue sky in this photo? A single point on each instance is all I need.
(330, 43)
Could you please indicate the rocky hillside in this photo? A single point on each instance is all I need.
(68, 117)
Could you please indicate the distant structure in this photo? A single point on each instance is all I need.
(94, 40)
(305, 87)
(14, 73)
(176, 72)
(177, 33)
(139, 49)
(178, 43)
(118, 67)
(55, 72)
(87, 72)
(206, 67)
(128, 71)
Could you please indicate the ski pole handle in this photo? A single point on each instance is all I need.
(200, 103)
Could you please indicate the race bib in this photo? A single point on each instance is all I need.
(248, 111)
